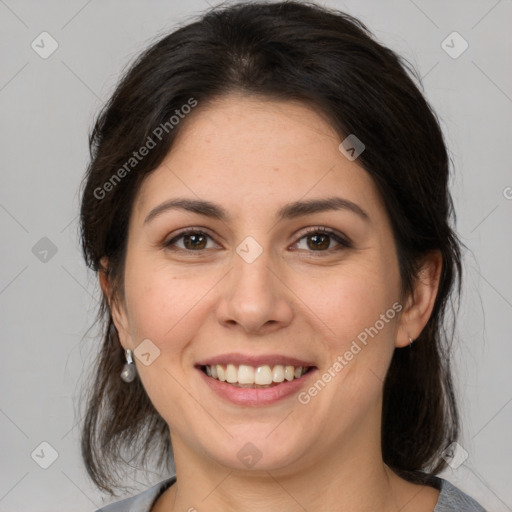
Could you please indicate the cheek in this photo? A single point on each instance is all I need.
(348, 302)
(357, 313)
(166, 310)
(161, 300)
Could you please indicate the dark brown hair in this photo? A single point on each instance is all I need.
(283, 51)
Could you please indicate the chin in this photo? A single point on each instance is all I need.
(256, 452)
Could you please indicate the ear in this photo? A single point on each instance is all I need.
(418, 306)
(116, 306)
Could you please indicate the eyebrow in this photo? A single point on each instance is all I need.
(288, 211)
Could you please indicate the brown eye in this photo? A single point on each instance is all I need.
(322, 240)
(194, 241)
(319, 241)
(191, 240)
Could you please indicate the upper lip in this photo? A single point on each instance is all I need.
(255, 361)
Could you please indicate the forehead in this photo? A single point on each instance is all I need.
(249, 153)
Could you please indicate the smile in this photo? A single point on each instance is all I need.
(262, 376)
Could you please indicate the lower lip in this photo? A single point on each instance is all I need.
(256, 396)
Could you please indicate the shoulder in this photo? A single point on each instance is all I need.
(141, 502)
(452, 499)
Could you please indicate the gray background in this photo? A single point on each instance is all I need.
(47, 300)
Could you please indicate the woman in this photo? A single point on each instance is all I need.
(267, 211)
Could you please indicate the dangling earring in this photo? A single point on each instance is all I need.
(410, 342)
(129, 370)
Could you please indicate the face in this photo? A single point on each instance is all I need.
(276, 252)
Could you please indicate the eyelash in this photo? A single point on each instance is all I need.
(344, 243)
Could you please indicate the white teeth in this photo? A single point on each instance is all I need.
(246, 375)
(278, 373)
(263, 375)
(231, 373)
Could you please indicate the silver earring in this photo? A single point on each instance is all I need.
(129, 371)
(410, 341)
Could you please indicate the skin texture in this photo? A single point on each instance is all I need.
(253, 156)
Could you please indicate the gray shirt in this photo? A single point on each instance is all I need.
(450, 499)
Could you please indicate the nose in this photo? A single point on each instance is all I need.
(254, 297)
